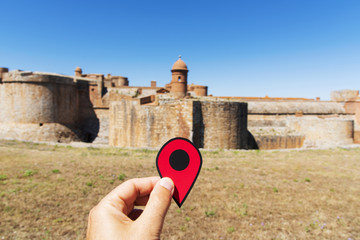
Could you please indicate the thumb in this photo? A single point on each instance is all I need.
(156, 208)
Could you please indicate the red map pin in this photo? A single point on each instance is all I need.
(181, 161)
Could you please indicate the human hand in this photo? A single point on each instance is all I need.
(116, 218)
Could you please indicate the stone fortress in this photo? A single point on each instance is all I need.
(38, 106)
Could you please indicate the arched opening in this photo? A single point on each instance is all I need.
(179, 79)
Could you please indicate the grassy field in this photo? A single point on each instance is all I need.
(46, 192)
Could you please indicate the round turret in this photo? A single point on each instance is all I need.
(118, 81)
(179, 78)
(200, 91)
(78, 71)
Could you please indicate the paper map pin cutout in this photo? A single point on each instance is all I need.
(181, 161)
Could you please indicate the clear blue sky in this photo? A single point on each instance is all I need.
(279, 48)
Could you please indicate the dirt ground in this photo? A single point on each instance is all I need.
(46, 192)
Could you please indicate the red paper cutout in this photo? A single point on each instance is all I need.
(181, 161)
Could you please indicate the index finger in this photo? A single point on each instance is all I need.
(124, 195)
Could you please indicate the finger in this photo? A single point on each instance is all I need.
(124, 196)
(158, 205)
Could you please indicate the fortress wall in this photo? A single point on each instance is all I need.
(279, 141)
(323, 132)
(88, 122)
(200, 91)
(357, 126)
(220, 125)
(103, 133)
(37, 98)
(344, 95)
(354, 107)
(291, 131)
(38, 107)
(148, 91)
(292, 107)
(208, 124)
(49, 132)
(295, 124)
(135, 125)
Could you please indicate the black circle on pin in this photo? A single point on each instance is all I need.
(179, 160)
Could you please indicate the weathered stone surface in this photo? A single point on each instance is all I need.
(207, 124)
(324, 132)
(344, 95)
(53, 107)
(46, 107)
(135, 125)
(38, 107)
(292, 107)
(41, 101)
(103, 133)
(220, 125)
(49, 132)
(279, 142)
(289, 131)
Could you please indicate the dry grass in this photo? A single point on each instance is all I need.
(46, 192)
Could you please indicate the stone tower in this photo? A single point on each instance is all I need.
(78, 72)
(179, 79)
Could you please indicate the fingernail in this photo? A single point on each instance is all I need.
(167, 183)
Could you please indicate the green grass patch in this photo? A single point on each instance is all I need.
(29, 173)
(3, 177)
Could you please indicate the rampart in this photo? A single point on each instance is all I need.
(351, 101)
(220, 125)
(28, 97)
(36, 106)
(296, 124)
(208, 124)
(39, 106)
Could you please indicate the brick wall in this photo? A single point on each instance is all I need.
(38, 107)
(207, 124)
(220, 125)
(133, 125)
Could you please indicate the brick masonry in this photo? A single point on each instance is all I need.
(51, 107)
(208, 124)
